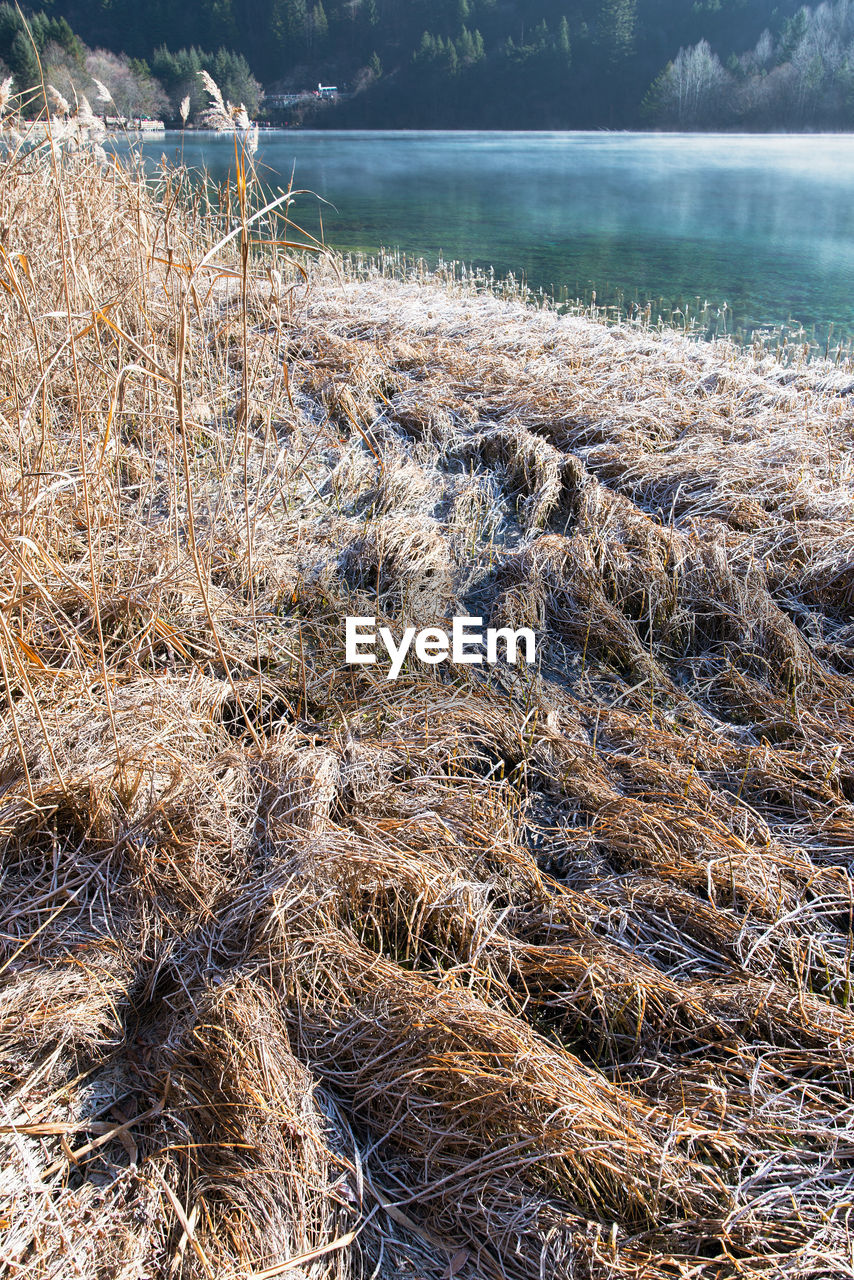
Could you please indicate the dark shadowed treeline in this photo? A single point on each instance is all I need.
(468, 63)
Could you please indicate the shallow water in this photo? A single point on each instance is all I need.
(763, 223)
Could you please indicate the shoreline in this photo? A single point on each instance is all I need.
(753, 250)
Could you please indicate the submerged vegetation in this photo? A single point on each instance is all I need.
(545, 972)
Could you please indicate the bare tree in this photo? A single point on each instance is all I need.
(692, 90)
(134, 91)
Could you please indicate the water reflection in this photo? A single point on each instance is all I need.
(765, 223)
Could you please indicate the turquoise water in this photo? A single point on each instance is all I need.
(763, 223)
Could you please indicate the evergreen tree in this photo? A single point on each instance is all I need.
(618, 20)
(21, 61)
(426, 51)
(235, 79)
(465, 47)
(319, 25)
(563, 42)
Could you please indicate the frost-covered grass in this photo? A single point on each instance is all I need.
(508, 973)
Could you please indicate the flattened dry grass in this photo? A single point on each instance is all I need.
(483, 973)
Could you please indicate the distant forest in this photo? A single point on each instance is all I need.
(527, 64)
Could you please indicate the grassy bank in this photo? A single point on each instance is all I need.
(510, 973)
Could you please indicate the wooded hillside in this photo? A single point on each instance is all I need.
(478, 63)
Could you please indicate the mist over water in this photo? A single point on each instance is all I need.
(764, 223)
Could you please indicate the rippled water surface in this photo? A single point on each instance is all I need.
(763, 223)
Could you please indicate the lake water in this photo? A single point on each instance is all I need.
(763, 223)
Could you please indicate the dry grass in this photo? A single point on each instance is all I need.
(516, 974)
